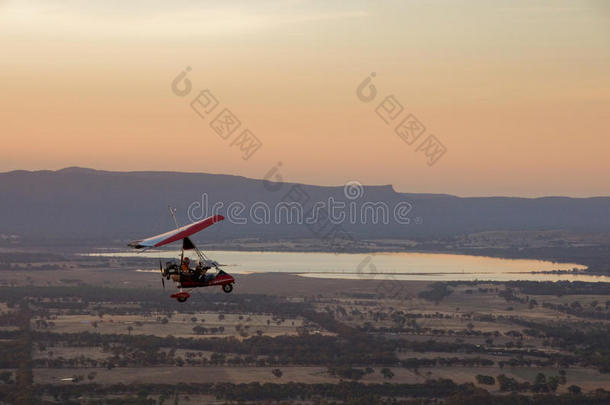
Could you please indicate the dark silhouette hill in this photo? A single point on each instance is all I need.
(91, 204)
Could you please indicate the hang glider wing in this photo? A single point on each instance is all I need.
(177, 234)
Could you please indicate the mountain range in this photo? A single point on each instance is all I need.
(79, 203)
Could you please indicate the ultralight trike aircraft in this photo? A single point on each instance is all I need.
(185, 276)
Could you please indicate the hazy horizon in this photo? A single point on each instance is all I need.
(306, 183)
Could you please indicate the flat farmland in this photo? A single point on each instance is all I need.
(177, 325)
(170, 375)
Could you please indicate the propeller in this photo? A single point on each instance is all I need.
(162, 275)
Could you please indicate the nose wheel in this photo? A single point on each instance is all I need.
(227, 288)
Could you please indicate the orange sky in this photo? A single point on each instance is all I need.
(518, 93)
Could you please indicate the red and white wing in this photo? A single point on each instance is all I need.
(176, 234)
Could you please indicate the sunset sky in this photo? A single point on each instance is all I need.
(517, 91)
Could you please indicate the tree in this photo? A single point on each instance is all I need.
(540, 383)
(553, 383)
(574, 390)
(510, 384)
(277, 372)
(387, 373)
(562, 377)
(5, 376)
(485, 379)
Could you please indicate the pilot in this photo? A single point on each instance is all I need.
(185, 268)
(201, 270)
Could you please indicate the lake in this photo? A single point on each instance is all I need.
(395, 266)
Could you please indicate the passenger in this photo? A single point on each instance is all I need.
(185, 268)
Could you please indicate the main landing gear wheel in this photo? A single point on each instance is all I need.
(181, 299)
(227, 288)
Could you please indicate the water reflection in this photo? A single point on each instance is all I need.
(401, 266)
